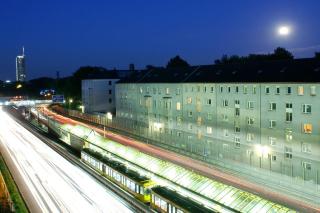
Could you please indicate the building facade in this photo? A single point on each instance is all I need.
(259, 128)
(98, 95)
(21, 67)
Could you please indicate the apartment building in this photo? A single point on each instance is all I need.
(260, 116)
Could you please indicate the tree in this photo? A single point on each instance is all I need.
(317, 55)
(281, 53)
(177, 62)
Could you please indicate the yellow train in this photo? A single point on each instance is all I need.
(161, 199)
(131, 181)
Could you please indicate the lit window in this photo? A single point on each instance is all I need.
(167, 91)
(272, 106)
(189, 100)
(313, 90)
(199, 120)
(300, 90)
(178, 106)
(272, 123)
(306, 108)
(209, 129)
(306, 147)
(272, 141)
(199, 134)
(288, 134)
(307, 128)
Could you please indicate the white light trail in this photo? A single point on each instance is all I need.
(54, 184)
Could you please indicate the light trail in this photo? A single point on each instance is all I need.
(53, 183)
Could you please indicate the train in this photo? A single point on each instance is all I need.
(159, 198)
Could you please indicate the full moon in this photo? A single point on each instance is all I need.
(284, 30)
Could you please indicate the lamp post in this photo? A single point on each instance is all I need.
(70, 102)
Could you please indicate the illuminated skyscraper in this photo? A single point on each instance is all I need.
(21, 67)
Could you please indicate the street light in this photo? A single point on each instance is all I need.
(70, 102)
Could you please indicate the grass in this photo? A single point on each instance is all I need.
(17, 200)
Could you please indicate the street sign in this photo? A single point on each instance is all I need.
(57, 99)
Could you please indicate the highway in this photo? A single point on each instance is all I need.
(47, 181)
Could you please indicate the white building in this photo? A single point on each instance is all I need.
(98, 95)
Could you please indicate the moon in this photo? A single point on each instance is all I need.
(284, 30)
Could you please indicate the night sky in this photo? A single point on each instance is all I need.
(62, 35)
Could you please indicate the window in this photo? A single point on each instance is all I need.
(288, 90)
(167, 91)
(225, 117)
(190, 113)
(110, 100)
(250, 121)
(313, 90)
(306, 147)
(209, 101)
(306, 108)
(189, 100)
(288, 135)
(237, 102)
(179, 120)
(237, 89)
(300, 90)
(225, 133)
(237, 142)
(272, 106)
(209, 129)
(272, 123)
(221, 89)
(110, 91)
(178, 91)
(178, 106)
(288, 152)
(199, 120)
(154, 90)
(272, 141)
(225, 103)
(288, 116)
(190, 126)
(211, 90)
(229, 89)
(306, 165)
(274, 158)
(254, 89)
(209, 116)
(267, 90)
(141, 90)
(245, 89)
(110, 82)
(179, 134)
(289, 105)
(307, 128)
(237, 111)
(250, 104)
(250, 136)
(237, 129)
(277, 90)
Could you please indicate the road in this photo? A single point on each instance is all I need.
(195, 165)
(47, 181)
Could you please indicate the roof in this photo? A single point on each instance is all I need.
(179, 200)
(297, 70)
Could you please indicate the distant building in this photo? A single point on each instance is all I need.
(259, 119)
(21, 67)
(98, 92)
